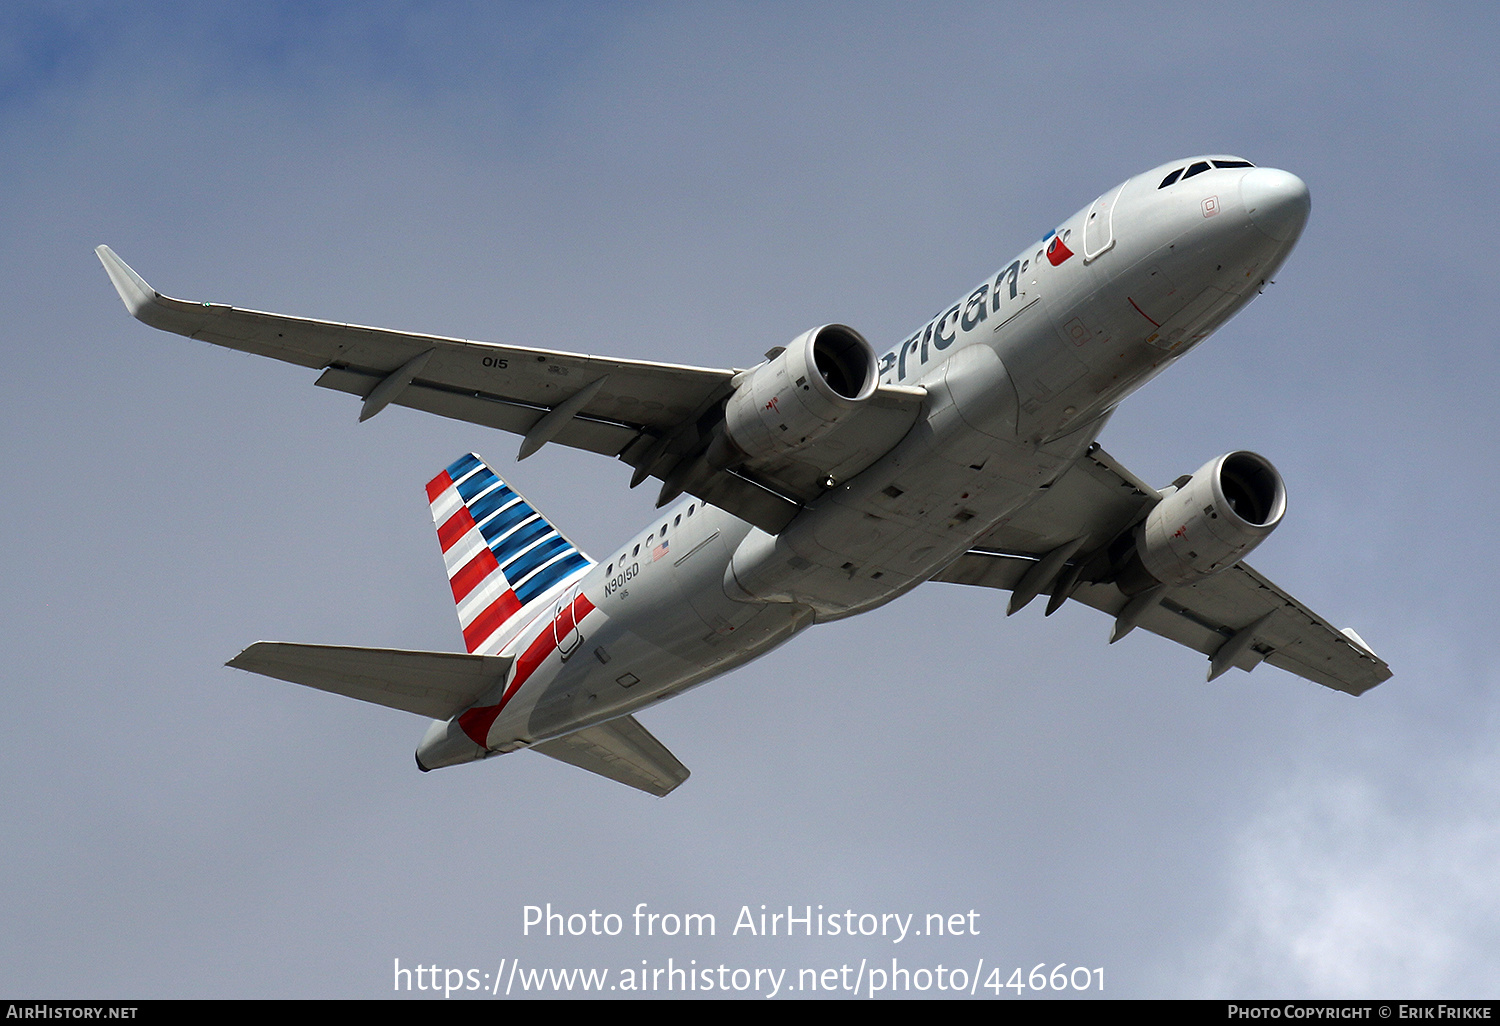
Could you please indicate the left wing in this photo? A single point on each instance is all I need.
(656, 417)
(1061, 545)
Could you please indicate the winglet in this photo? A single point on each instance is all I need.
(1348, 632)
(134, 292)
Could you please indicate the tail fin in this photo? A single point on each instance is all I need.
(503, 556)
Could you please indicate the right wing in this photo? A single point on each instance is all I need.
(656, 417)
(1236, 617)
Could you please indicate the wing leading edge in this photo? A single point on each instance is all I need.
(1236, 617)
(656, 417)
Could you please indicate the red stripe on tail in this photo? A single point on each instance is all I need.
(489, 621)
(476, 723)
(468, 576)
(437, 486)
(455, 527)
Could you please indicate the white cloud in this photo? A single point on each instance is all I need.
(1348, 885)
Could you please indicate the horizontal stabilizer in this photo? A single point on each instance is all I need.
(432, 684)
(621, 750)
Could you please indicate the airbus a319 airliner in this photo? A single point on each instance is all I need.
(826, 481)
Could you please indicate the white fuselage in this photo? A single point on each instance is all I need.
(1021, 374)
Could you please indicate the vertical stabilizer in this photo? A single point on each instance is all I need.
(505, 560)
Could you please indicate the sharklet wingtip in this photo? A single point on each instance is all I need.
(134, 292)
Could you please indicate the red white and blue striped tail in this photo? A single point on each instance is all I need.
(502, 555)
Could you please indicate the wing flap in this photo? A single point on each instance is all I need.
(1206, 615)
(476, 407)
(432, 684)
(621, 750)
(768, 510)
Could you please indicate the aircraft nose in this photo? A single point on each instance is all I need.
(1277, 202)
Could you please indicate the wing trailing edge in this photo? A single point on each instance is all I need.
(1237, 618)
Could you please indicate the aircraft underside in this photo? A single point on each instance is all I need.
(826, 481)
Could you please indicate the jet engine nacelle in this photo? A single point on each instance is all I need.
(1211, 521)
(799, 394)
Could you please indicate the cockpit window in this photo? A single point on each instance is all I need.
(1198, 168)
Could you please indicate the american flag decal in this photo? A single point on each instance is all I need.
(501, 554)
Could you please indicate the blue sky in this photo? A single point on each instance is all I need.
(697, 183)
